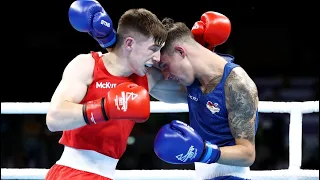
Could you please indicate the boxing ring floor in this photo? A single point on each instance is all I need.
(294, 172)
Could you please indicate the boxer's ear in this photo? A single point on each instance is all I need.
(180, 50)
(129, 43)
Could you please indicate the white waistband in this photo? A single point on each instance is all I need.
(209, 171)
(89, 161)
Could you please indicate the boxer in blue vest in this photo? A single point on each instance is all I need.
(222, 99)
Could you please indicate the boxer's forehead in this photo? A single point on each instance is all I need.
(150, 42)
(157, 45)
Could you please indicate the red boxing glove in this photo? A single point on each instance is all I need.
(126, 101)
(197, 31)
(217, 29)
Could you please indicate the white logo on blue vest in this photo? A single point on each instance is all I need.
(193, 98)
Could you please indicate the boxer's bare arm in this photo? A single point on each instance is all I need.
(65, 112)
(242, 103)
(168, 91)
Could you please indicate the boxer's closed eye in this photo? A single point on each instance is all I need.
(161, 65)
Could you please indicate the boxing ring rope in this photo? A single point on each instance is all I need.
(295, 109)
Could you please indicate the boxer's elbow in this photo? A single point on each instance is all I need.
(52, 119)
(65, 116)
(250, 158)
(247, 152)
(238, 155)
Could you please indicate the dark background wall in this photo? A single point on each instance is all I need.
(275, 42)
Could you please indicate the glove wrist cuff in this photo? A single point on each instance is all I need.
(94, 112)
(107, 40)
(211, 153)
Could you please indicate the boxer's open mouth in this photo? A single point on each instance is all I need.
(148, 65)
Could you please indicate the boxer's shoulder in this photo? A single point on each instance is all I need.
(81, 67)
(82, 60)
(240, 89)
(239, 77)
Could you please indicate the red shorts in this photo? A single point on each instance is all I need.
(59, 172)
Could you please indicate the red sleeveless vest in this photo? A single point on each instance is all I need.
(108, 138)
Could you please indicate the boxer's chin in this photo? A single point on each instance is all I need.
(142, 71)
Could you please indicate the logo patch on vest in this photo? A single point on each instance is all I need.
(213, 107)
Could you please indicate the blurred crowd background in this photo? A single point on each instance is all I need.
(265, 40)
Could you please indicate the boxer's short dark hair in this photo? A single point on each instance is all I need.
(177, 31)
(144, 22)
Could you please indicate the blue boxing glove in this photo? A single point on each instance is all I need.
(89, 16)
(178, 143)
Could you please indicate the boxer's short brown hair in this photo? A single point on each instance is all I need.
(177, 31)
(144, 22)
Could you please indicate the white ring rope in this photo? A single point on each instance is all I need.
(160, 107)
(296, 110)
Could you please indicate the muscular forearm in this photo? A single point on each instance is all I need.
(237, 155)
(169, 91)
(65, 116)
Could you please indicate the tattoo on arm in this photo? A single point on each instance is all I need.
(242, 103)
